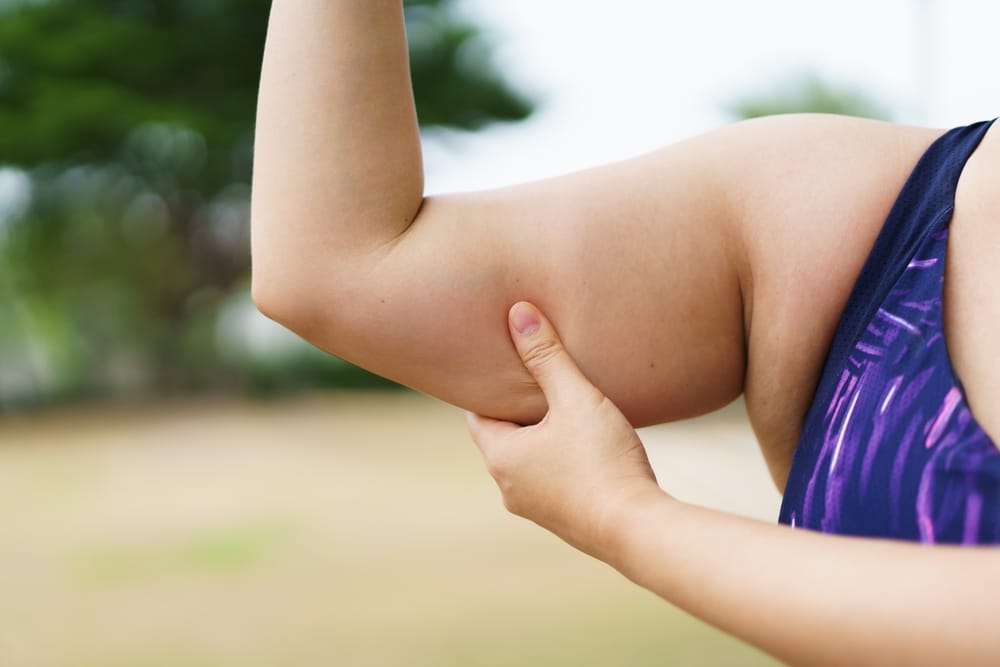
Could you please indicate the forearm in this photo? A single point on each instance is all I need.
(815, 599)
(337, 166)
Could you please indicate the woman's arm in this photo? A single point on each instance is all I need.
(814, 599)
(730, 254)
(349, 254)
(806, 598)
(337, 159)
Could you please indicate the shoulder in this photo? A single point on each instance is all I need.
(816, 191)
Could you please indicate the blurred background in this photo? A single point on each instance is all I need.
(184, 483)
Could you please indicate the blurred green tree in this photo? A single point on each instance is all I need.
(132, 121)
(808, 93)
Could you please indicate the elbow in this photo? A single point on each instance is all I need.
(275, 274)
(286, 298)
(307, 296)
(321, 290)
(283, 280)
(267, 297)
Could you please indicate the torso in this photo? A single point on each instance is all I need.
(890, 446)
(801, 306)
(972, 274)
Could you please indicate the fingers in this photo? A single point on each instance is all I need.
(486, 431)
(544, 356)
(487, 427)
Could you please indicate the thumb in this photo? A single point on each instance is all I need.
(543, 354)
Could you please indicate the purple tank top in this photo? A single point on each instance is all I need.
(889, 446)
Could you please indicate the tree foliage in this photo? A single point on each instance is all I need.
(808, 93)
(133, 120)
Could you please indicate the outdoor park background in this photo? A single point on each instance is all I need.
(182, 483)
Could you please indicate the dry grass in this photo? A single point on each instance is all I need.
(332, 530)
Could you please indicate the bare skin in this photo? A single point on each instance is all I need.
(971, 306)
(676, 280)
(732, 253)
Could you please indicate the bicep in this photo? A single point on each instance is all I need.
(630, 261)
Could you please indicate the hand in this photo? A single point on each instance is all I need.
(575, 472)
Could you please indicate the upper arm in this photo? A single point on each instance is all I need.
(630, 262)
(658, 272)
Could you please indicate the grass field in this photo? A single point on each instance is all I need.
(355, 530)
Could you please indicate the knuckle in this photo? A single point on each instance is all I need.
(511, 505)
(542, 353)
(507, 492)
(497, 465)
(601, 403)
(495, 470)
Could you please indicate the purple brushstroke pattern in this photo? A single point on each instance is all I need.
(896, 452)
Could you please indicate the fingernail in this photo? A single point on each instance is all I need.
(524, 319)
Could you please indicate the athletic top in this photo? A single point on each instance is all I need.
(889, 447)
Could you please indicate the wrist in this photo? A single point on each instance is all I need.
(643, 516)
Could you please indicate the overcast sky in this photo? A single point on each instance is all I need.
(620, 77)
